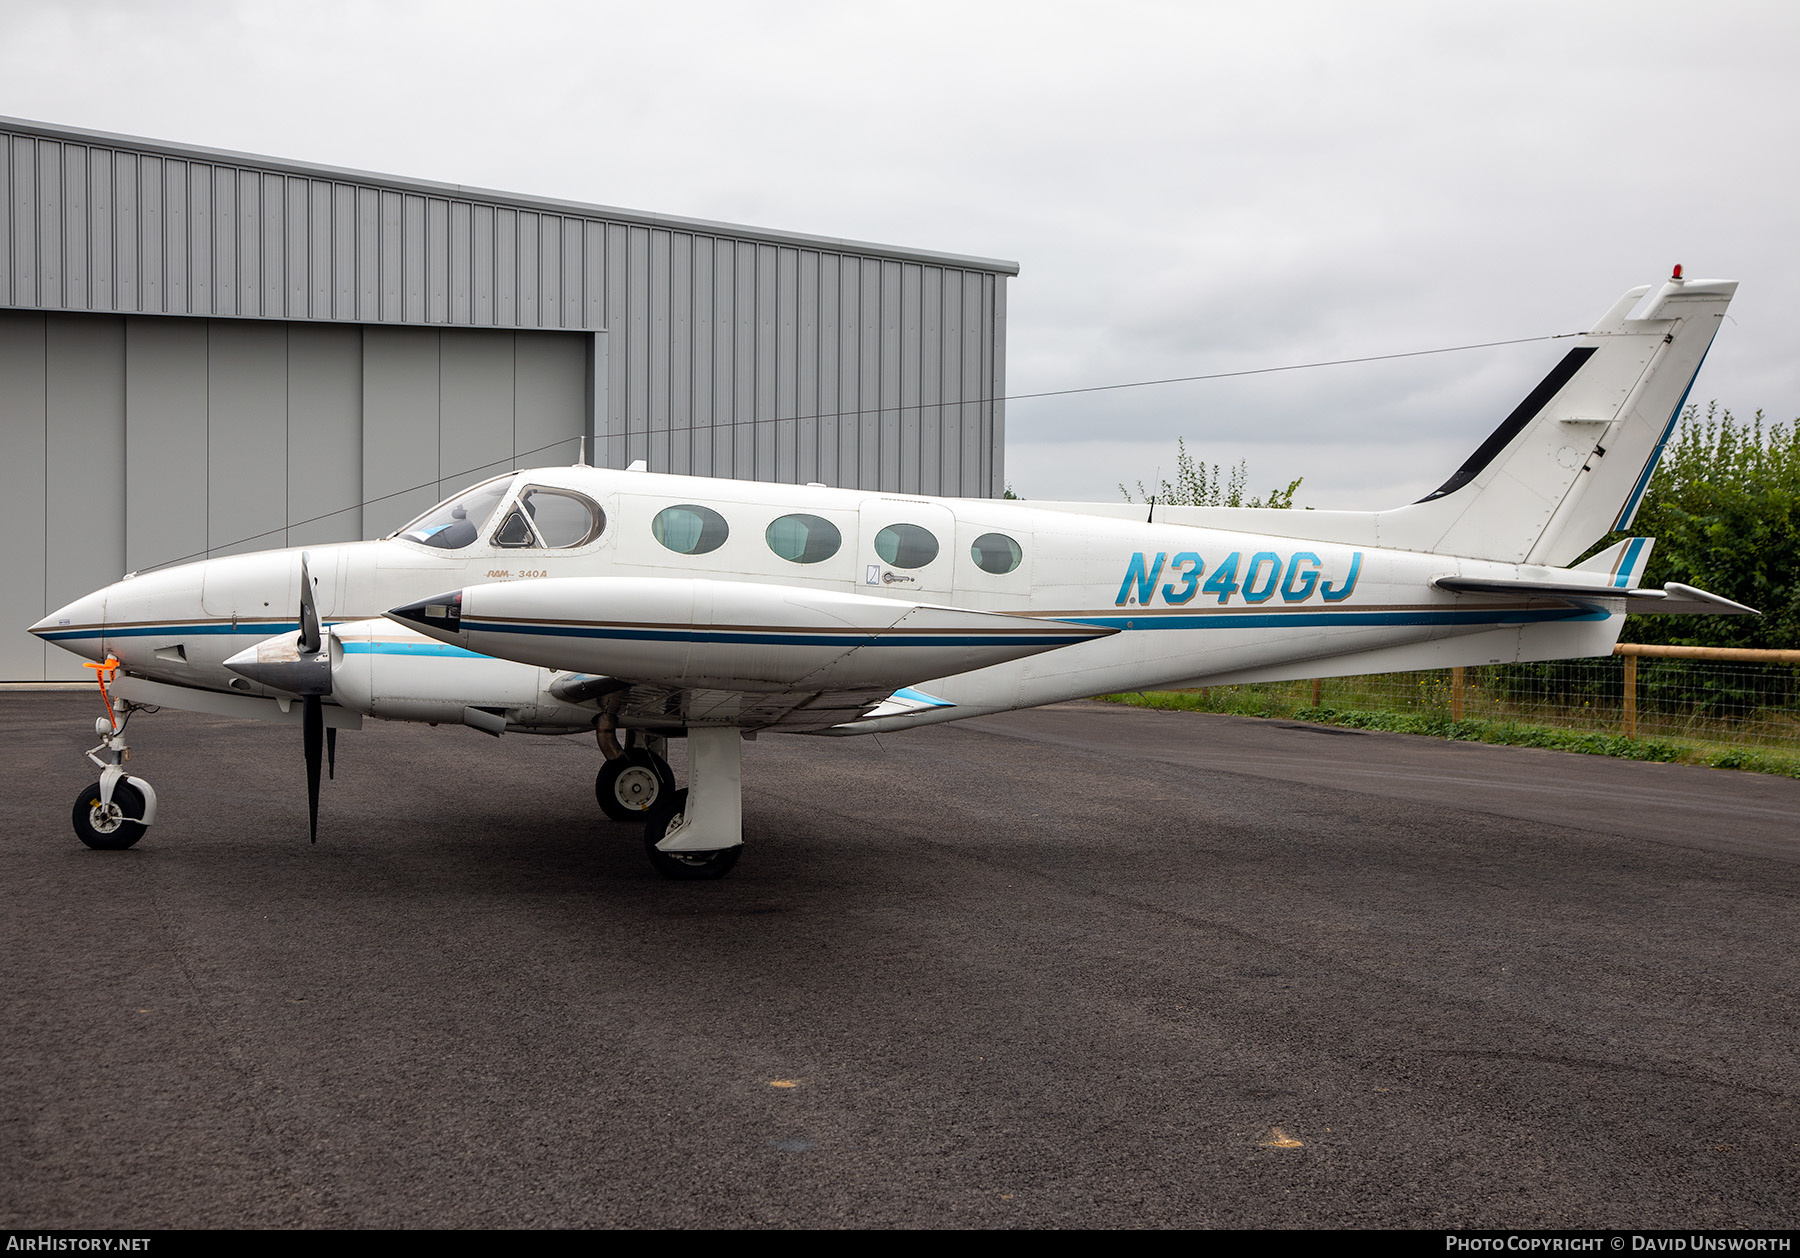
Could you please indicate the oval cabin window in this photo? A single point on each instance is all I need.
(906, 545)
(804, 538)
(996, 553)
(690, 529)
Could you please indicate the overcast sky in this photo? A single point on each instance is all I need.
(1188, 188)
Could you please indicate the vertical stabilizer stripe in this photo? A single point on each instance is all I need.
(1515, 423)
(1628, 563)
(1643, 482)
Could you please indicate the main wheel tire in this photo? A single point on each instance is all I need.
(683, 866)
(106, 827)
(629, 786)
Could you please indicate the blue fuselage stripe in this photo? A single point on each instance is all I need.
(1281, 620)
(766, 638)
(439, 650)
(226, 628)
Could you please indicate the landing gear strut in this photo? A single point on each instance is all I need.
(698, 833)
(113, 813)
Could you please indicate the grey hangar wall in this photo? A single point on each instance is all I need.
(205, 352)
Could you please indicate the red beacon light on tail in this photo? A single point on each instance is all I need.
(1677, 272)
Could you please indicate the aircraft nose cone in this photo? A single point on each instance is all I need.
(78, 627)
(88, 610)
(439, 616)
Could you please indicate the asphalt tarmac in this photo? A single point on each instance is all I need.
(1086, 965)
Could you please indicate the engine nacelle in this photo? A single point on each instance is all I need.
(384, 670)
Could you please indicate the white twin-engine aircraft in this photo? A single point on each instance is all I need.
(645, 607)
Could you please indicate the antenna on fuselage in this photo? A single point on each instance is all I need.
(581, 451)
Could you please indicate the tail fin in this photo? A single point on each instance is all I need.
(1623, 563)
(1572, 462)
(1569, 465)
(1563, 470)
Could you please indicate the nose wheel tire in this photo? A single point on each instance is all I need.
(683, 866)
(629, 787)
(107, 827)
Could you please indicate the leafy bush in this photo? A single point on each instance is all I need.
(1724, 508)
(1197, 485)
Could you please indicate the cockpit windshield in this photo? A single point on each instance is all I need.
(456, 522)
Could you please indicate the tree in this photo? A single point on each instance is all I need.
(1724, 508)
(1197, 485)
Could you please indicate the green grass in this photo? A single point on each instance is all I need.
(1254, 701)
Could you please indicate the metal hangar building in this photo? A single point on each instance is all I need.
(204, 352)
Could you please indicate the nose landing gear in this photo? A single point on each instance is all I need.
(113, 813)
(108, 825)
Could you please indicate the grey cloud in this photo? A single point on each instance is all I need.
(1188, 188)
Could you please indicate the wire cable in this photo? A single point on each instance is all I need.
(1092, 388)
(645, 433)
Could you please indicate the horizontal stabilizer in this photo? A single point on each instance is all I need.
(1672, 599)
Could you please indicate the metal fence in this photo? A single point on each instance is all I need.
(1705, 700)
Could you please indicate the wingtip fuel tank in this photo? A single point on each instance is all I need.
(731, 635)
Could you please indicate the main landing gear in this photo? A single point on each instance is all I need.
(629, 785)
(113, 813)
(690, 835)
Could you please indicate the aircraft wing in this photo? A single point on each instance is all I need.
(1672, 599)
(650, 704)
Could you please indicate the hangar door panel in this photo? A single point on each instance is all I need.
(552, 398)
(247, 433)
(324, 436)
(476, 427)
(22, 494)
(84, 464)
(165, 437)
(400, 425)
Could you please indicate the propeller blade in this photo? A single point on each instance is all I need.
(310, 637)
(331, 752)
(313, 728)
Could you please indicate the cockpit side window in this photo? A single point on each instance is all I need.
(550, 519)
(562, 519)
(514, 531)
(455, 522)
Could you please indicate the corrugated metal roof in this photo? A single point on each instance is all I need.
(729, 350)
(100, 222)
